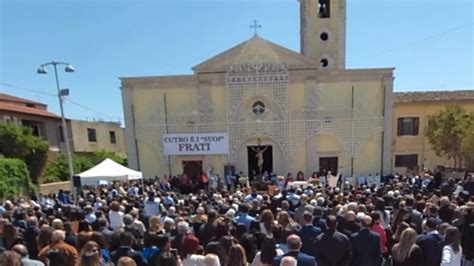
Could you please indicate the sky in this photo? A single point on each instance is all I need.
(429, 42)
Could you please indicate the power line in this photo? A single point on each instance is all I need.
(26, 89)
(67, 99)
(90, 109)
(430, 37)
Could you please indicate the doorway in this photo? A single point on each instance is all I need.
(328, 164)
(193, 169)
(267, 152)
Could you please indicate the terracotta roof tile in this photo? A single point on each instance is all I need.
(26, 110)
(10, 98)
(433, 96)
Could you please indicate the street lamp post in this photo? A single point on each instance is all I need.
(61, 94)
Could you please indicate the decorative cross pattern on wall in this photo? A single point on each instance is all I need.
(258, 75)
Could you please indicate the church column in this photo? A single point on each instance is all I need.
(387, 85)
(130, 136)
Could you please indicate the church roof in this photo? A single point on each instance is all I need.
(434, 96)
(255, 49)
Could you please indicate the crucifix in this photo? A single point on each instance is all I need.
(255, 26)
(259, 155)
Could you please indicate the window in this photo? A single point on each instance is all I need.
(324, 9)
(91, 135)
(35, 127)
(113, 140)
(61, 133)
(408, 126)
(406, 160)
(36, 130)
(258, 108)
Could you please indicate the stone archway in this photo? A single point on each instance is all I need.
(327, 149)
(242, 160)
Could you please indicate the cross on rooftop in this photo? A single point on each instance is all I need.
(255, 26)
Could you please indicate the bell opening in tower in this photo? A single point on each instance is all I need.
(324, 8)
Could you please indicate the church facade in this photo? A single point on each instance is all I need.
(260, 107)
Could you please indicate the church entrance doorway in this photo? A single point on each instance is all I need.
(193, 169)
(328, 164)
(260, 159)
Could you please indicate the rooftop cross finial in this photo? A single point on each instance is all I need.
(255, 26)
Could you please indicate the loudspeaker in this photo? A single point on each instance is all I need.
(76, 181)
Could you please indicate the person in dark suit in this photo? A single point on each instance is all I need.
(125, 250)
(332, 247)
(30, 235)
(352, 226)
(430, 243)
(365, 245)
(294, 245)
(415, 216)
(308, 234)
(318, 220)
(446, 211)
(207, 231)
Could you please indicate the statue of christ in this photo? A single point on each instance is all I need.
(259, 156)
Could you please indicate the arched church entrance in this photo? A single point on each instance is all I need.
(259, 159)
(258, 155)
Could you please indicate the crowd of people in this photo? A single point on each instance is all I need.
(403, 220)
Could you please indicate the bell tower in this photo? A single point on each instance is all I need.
(323, 32)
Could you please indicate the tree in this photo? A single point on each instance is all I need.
(449, 134)
(14, 178)
(18, 142)
(467, 146)
(101, 155)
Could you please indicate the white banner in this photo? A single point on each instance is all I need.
(196, 144)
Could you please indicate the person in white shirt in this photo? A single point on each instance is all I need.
(211, 260)
(152, 205)
(190, 245)
(267, 253)
(293, 197)
(112, 193)
(137, 224)
(361, 180)
(34, 204)
(134, 191)
(452, 252)
(90, 215)
(253, 196)
(229, 180)
(115, 216)
(212, 184)
(98, 203)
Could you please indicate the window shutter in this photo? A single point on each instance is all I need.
(415, 125)
(399, 127)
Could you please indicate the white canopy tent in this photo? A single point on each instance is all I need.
(108, 170)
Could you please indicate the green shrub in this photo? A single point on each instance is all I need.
(18, 141)
(56, 170)
(14, 178)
